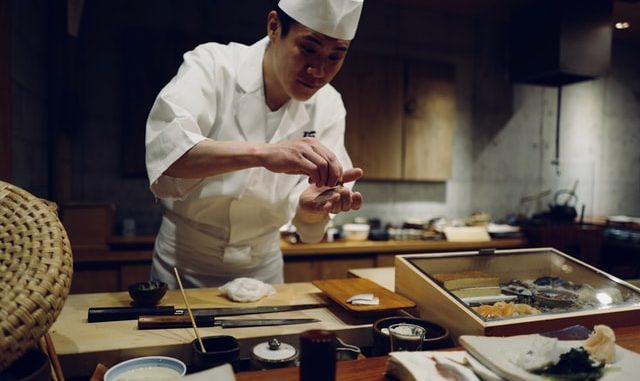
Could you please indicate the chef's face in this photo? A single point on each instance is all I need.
(305, 60)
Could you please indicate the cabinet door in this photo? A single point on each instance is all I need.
(429, 121)
(372, 91)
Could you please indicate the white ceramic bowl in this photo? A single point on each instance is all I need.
(355, 232)
(147, 368)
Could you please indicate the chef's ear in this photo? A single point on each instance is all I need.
(273, 25)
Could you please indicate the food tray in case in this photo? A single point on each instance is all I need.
(508, 292)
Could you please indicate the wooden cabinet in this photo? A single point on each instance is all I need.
(583, 242)
(429, 121)
(372, 91)
(400, 116)
(110, 270)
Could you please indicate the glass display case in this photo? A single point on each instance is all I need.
(506, 292)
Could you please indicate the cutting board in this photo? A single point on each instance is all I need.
(339, 290)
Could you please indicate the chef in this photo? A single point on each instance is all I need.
(244, 139)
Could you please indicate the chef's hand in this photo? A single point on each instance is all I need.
(306, 156)
(342, 199)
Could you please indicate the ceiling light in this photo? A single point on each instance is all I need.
(622, 25)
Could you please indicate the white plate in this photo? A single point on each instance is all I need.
(623, 219)
(495, 354)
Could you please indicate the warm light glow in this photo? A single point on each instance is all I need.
(604, 298)
(622, 25)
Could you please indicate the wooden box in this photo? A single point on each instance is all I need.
(564, 290)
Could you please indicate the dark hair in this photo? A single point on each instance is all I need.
(285, 21)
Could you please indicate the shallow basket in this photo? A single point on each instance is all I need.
(35, 270)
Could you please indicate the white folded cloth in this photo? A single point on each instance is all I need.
(437, 366)
(246, 290)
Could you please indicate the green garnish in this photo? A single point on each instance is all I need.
(574, 365)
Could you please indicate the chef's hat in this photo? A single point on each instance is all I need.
(335, 18)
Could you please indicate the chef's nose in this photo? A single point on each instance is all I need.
(316, 69)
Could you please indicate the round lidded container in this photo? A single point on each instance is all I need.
(274, 354)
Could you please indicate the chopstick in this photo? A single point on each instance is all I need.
(47, 347)
(186, 303)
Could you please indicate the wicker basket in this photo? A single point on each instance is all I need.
(35, 270)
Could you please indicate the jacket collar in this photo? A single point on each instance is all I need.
(250, 68)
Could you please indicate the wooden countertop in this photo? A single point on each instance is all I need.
(81, 345)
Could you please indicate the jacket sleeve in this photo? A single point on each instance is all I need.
(181, 117)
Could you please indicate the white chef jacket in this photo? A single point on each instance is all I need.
(221, 227)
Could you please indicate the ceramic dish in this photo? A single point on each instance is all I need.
(152, 368)
(496, 353)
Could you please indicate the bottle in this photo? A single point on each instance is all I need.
(317, 355)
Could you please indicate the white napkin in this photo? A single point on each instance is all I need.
(436, 366)
(246, 290)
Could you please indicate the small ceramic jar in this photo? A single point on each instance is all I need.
(274, 354)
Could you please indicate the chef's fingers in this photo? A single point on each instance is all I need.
(329, 165)
(304, 156)
(347, 201)
(318, 172)
(356, 201)
(352, 174)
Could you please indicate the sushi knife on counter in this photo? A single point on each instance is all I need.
(164, 322)
(103, 314)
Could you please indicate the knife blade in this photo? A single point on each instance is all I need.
(103, 314)
(165, 322)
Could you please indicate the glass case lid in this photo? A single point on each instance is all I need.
(507, 284)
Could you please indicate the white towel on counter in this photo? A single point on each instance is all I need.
(246, 290)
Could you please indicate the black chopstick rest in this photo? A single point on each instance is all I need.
(102, 314)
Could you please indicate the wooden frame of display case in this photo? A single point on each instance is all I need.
(440, 306)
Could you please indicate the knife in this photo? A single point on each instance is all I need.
(164, 322)
(102, 314)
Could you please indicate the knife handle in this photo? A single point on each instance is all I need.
(164, 322)
(101, 314)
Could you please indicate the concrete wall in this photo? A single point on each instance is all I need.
(504, 136)
(599, 145)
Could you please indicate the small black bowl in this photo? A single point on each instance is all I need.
(437, 336)
(147, 293)
(220, 349)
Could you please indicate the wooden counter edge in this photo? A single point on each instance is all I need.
(103, 254)
(374, 368)
(394, 247)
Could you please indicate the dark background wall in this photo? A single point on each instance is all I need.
(79, 102)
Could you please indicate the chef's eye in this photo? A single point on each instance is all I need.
(335, 58)
(308, 50)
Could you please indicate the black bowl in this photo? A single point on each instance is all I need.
(437, 336)
(219, 349)
(147, 293)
